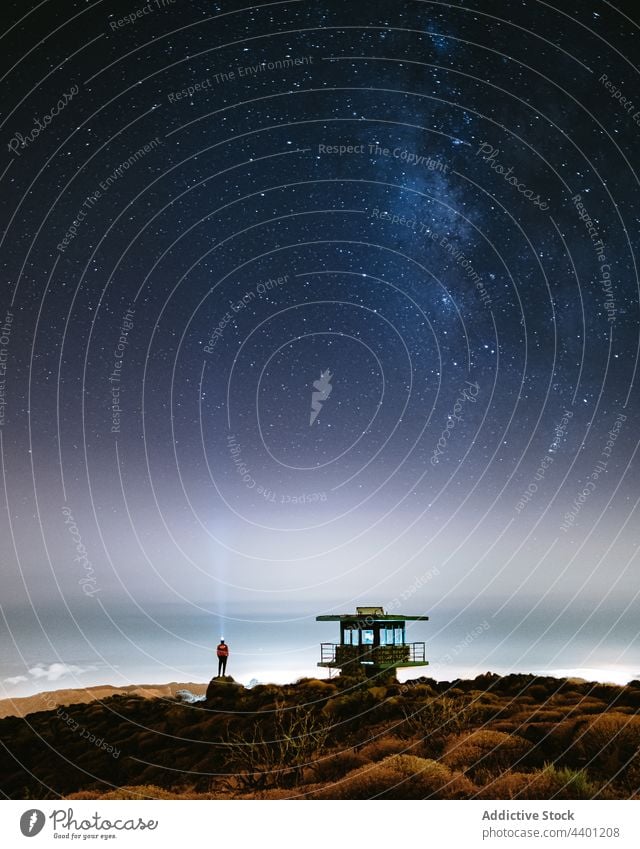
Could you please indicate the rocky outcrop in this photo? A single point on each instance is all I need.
(223, 686)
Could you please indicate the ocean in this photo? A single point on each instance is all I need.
(50, 649)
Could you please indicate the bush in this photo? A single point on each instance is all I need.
(274, 793)
(264, 696)
(383, 747)
(351, 705)
(542, 692)
(441, 716)
(335, 766)
(141, 791)
(609, 745)
(270, 755)
(411, 690)
(547, 783)
(313, 689)
(542, 715)
(486, 751)
(84, 794)
(558, 742)
(400, 777)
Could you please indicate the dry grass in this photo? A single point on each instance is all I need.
(486, 751)
(547, 783)
(400, 777)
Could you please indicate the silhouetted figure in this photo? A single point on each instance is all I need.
(223, 653)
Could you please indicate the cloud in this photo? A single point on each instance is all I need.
(50, 672)
(55, 671)
(619, 675)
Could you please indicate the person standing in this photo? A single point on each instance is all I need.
(223, 654)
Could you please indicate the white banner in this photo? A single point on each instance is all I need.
(316, 825)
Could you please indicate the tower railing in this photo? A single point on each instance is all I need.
(336, 654)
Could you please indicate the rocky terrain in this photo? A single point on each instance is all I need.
(512, 737)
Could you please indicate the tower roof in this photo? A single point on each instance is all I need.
(369, 615)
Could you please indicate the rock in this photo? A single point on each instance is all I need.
(223, 685)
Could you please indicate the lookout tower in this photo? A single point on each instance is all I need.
(371, 642)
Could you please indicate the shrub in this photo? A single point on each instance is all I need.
(335, 766)
(542, 715)
(141, 791)
(547, 783)
(314, 689)
(275, 754)
(609, 745)
(411, 689)
(441, 716)
(84, 794)
(400, 777)
(274, 793)
(631, 695)
(558, 742)
(632, 778)
(383, 747)
(541, 692)
(487, 751)
(350, 705)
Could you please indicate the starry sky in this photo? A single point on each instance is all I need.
(309, 305)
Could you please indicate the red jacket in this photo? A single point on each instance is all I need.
(223, 650)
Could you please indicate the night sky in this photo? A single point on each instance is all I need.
(309, 305)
